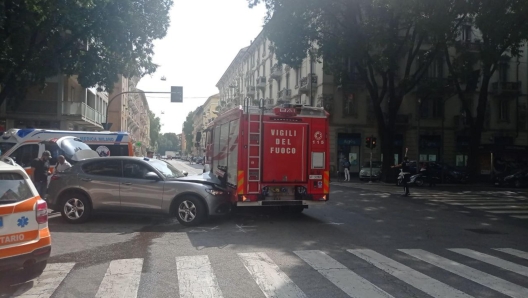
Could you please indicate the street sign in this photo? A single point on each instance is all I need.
(176, 94)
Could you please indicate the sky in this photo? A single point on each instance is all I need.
(203, 39)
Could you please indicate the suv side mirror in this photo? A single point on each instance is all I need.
(152, 176)
(185, 173)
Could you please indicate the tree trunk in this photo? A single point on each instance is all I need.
(476, 129)
(387, 141)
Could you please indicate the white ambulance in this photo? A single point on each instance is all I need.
(25, 240)
(24, 145)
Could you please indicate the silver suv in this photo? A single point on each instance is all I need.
(134, 185)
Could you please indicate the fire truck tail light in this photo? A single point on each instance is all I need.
(318, 160)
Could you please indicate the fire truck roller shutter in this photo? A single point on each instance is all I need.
(285, 152)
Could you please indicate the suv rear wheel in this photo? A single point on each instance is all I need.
(75, 207)
(190, 211)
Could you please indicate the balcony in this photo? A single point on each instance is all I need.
(250, 90)
(305, 83)
(276, 71)
(284, 95)
(42, 107)
(261, 82)
(506, 88)
(81, 111)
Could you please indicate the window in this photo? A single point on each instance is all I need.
(271, 90)
(107, 168)
(503, 72)
(72, 94)
(25, 154)
(224, 138)
(166, 169)
(504, 110)
(279, 83)
(232, 152)
(461, 160)
(135, 170)
(297, 71)
(349, 106)
(466, 33)
(288, 81)
(13, 188)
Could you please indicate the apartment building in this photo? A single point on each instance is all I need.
(139, 123)
(198, 126)
(62, 104)
(432, 126)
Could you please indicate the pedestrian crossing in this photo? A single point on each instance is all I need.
(504, 203)
(196, 276)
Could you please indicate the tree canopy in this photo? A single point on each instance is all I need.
(94, 39)
(155, 127)
(386, 45)
(188, 128)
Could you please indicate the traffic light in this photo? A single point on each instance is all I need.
(176, 94)
(368, 142)
(373, 143)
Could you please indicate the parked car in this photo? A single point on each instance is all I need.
(365, 174)
(517, 179)
(134, 185)
(25, 240)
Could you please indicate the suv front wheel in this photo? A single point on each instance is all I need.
(190, 211)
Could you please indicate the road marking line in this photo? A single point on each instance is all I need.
(196, 278)
(522, 270)
(272, 281)
(121, 279)
(511, 212)
(46, 284)
(347, 280)
(408, 275)
(520, 216)
(487, 280)
(514, 207)
(480, 203)
(514, 252)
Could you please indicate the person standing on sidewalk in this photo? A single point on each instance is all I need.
(346, 168)
(406, 169)
(40, 172)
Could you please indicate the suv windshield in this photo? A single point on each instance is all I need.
(13, 188)
(168, 170)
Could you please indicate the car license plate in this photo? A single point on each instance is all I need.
(1, 222)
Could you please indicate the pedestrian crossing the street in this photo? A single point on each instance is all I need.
(489, 271)
(503, 203)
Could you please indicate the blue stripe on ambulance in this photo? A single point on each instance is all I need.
(119, 138)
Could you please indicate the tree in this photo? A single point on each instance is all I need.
(94, 39)
(188, 128)
(155, 127)
(499, 29)
(387, 45)
(174, 140)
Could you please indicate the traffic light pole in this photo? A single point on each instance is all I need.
(371, 140)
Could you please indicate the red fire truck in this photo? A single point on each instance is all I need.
(271, 156)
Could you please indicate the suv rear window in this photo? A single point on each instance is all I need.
(13, 188)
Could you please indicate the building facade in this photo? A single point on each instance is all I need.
(139, 123)
(431, 128)
(198, 124)
(62, 104)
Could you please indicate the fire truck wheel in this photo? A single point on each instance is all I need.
(190, 211)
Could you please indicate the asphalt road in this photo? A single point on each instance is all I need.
(368, 241)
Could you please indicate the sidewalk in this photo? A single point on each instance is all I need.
(440, 186)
